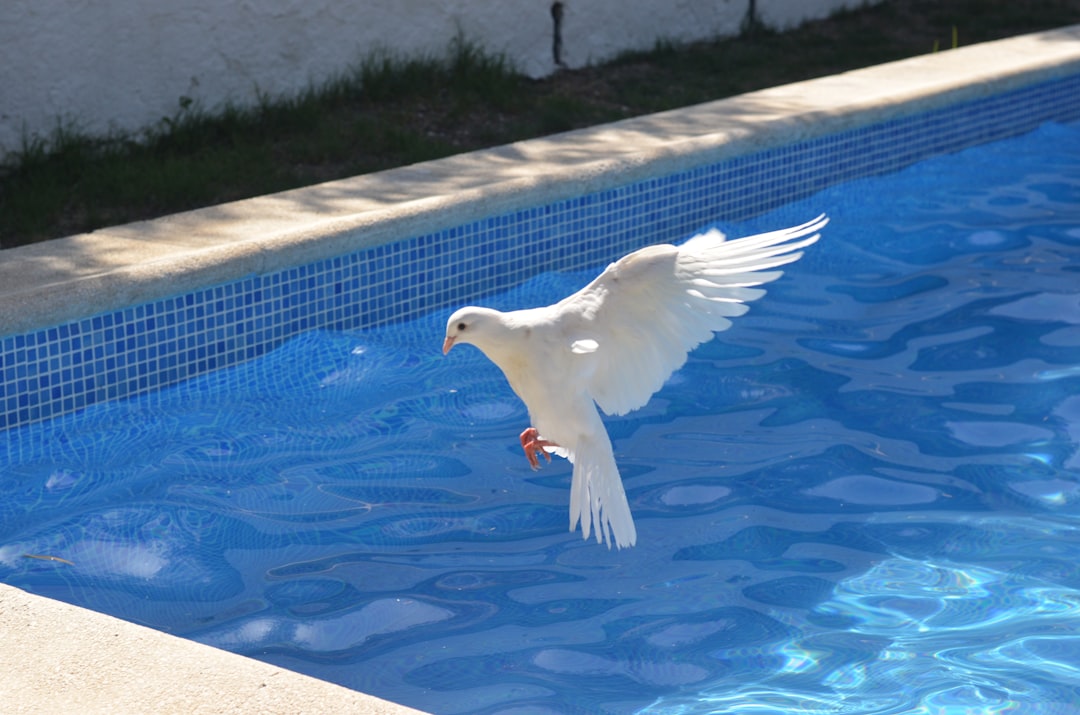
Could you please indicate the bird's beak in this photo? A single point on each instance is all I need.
(447, 344)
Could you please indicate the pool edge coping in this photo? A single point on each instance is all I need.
(74, 655)
(60, 658)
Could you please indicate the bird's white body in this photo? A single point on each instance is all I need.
(615, 342)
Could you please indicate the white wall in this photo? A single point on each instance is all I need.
(125, 64)
(787, 14)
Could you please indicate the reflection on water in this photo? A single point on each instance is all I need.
(864, 498)
(971, 639)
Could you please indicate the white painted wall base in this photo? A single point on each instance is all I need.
(123, 65)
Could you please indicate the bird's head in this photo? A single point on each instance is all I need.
(473, 326)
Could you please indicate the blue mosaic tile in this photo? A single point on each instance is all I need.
(65, 368)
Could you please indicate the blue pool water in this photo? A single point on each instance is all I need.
(863, 498)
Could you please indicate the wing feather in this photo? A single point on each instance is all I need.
(649, 309)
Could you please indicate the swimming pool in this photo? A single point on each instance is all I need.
(862, 498)
(332, 257)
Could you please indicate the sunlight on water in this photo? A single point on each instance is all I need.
(863, 498)
(969, 637)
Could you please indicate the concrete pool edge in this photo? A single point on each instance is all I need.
(48, 283)
(60, 658)
(179, 255)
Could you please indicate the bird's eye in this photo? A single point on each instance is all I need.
(461, 327)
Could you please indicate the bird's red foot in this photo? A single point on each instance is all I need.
(534, 447)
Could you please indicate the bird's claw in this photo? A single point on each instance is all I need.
(534, 447)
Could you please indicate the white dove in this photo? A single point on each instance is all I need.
(613, 344)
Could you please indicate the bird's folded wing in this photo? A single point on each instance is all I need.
(650, 308)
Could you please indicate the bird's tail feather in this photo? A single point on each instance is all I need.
(597, 498)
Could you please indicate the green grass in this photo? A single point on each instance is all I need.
(390, 111)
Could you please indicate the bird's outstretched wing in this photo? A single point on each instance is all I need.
(640, 318)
